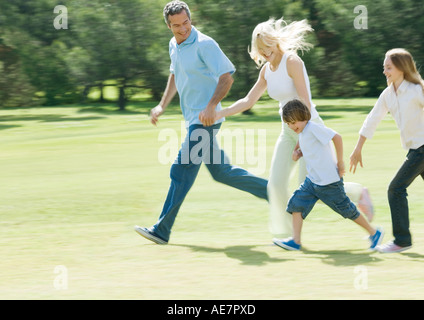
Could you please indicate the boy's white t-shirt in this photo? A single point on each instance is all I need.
(319, 155)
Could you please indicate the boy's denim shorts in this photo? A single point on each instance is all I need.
(333, 195)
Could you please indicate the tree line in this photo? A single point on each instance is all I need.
(125, 43)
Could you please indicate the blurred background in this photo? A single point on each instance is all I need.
(124, 44)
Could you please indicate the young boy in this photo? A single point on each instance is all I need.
(324, 179)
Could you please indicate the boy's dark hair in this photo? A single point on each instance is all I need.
(175, 7)
(296, 110)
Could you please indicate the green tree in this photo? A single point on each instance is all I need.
(27, 28)
(353, 57)
(15, 88)
(105, 40)
(114, 41)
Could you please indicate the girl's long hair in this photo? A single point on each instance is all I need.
(288, 37)
(404, 61)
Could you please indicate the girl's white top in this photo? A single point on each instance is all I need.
(281, 86)
(407, 108)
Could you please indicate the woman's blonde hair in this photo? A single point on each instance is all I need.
(288, 37)
(404, 62)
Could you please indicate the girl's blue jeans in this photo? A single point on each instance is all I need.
(397, 194)
(201, 145)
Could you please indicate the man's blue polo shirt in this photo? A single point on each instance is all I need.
(197, 64)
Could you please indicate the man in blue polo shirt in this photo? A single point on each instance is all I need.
(202, 75)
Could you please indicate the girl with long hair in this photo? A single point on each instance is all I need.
(404, 99)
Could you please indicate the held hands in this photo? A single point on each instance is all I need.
(209, 116)
(297, 154)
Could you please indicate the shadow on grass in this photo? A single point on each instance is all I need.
(263, 113)
(143, 108)
(12, 119)
(267, 111)
(45, 118)
(413, 256)
(344, 257)
(248, 256)
(342, 108)
(245, 254)
(110, 110)
(4, 127)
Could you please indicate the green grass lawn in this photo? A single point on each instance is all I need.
(76, 179)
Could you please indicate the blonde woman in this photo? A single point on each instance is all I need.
(282, 72)
(404, 99)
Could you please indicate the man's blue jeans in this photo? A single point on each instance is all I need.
(200, 146)
(411, 168)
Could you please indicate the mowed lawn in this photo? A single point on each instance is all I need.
(76, 179)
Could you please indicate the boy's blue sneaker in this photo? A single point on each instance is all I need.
(376, 239)
(287, 244)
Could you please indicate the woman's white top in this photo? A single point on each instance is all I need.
(281, 86)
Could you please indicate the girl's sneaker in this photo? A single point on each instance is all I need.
(376, 239)
(391, 247)
(287, 244)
